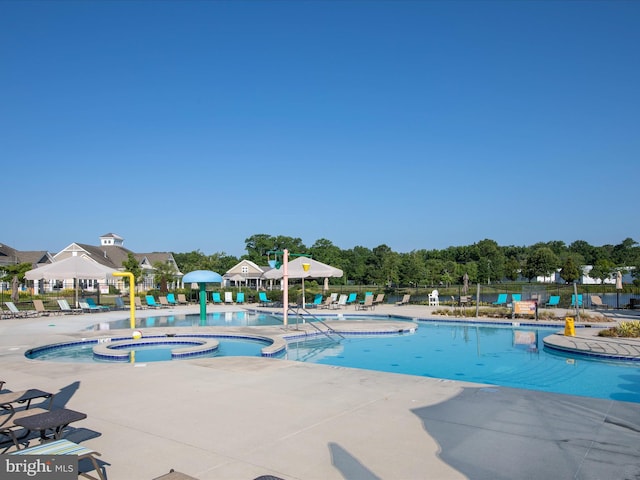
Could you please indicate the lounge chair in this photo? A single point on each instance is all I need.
(434, 300)
(163, 301)
(84, 305)
(379, 300)
(502, 299)
(93, 304)
(240, 297)
(596, 302)
(182, 299)
(327, 303)
(367, 304)
(65, 447)
(120, 304)
(263, 300)
(352, 298)
(151, 302)
(554, 301)
(404, 301)
(228, 298)
(573, 301)
(40, 308)
(516, 297)
(16, 313)
(342, 302)
(171, 299)
(66, 309)
(366, 294)
(138, 303)
(215, 298)
(317, 301)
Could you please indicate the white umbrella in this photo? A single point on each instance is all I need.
(72, 267)
(296, 270)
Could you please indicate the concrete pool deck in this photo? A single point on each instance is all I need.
(238, 418)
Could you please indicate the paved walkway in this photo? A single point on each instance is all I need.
(238, 418)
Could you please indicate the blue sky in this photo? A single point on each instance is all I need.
(193, 125)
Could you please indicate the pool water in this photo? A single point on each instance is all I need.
(511, 357)
(498, 355)
(83, 353)
(215, 319)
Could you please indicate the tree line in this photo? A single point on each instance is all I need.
(483, 262)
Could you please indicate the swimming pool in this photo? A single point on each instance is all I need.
(215, 319)
(498, 355)
(510, 357)
(83, 351)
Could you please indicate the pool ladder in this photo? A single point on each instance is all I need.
(327, 332)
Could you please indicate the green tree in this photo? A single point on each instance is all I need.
(541, 262)
(9, 271)
(258, 245)
(626, 252)
(164, 272)
(512, 269)
(412, 269)
(584, 249)
(188, 262)
(570, 271)
(602, 270)
(132, 265)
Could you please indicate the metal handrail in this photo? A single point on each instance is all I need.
(318, 320)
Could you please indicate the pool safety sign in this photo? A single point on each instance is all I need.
(527, 307)
(38, 467)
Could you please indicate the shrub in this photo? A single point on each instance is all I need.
(630, 329)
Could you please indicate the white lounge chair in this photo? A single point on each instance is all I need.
(15, 313)
(65, 308)
(342, 302)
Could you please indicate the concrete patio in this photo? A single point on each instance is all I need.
(241, 417)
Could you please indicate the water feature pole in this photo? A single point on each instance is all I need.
(132, 304)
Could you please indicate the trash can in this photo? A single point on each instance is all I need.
(569, 327)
